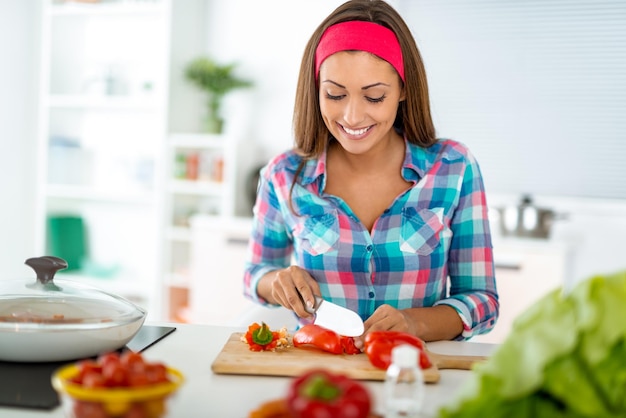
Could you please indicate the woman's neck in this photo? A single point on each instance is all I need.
(386, 154)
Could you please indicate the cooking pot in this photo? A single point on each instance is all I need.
(527, 220)
(57, 320)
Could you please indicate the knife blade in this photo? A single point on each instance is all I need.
(336, 318)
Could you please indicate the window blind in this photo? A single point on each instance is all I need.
(536, 89)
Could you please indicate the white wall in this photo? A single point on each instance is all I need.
(267, 39)
(19, 37)
(535, 90)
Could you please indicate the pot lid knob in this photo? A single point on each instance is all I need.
(46, 267)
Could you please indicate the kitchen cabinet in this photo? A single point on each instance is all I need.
(218, 253)
(201, 179)
(526, 270)
(109, 74)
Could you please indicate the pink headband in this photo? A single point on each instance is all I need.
(360, 35)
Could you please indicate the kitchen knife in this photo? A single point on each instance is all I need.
(336, 318)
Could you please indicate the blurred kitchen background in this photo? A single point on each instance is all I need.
(105, 160)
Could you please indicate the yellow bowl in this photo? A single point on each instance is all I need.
(143, 401)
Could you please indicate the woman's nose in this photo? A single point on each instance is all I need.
(354, 112)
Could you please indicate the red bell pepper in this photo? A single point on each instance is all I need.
(320, 393)
(347, 343)
(324, 339)
(378, 346)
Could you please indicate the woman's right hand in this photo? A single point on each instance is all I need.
(292, 287)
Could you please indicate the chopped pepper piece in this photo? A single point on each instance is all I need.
(320, 393)
(261, 337)
(378, 346)
(324, 339)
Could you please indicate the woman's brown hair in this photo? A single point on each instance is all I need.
(413, 119)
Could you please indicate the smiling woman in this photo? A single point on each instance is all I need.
(378, 214)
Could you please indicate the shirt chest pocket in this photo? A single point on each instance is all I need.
(421, 230)
(319, 234)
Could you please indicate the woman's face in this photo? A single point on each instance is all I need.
(359, 96)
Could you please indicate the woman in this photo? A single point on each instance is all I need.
(370, 210)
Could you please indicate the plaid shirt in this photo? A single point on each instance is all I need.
(435, 230)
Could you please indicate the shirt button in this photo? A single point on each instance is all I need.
(371, 294)
(369, 248)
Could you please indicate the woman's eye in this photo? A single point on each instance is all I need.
(369, 99)
(376, 99)
(331, 97)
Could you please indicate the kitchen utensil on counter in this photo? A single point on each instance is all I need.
(527, 220)
(48, 320)
(236, 358)
(336, 318)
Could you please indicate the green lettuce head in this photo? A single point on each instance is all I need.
(565, 357)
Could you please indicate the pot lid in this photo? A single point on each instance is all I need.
(46, 304)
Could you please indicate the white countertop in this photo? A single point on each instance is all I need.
(192, 349)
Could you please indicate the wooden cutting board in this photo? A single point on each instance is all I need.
(236, 358)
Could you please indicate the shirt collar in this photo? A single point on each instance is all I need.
(315, 168)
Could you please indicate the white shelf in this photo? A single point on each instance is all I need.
(189, 198)
(196, 187)
(197, 140)
(103, 102)
(178, 280)
(132, 196)
(179, 233)
(111, 83)
(105, 84)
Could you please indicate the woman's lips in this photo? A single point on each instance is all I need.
(356, 133)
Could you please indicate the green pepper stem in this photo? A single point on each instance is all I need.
(263, 335)
(319, 387)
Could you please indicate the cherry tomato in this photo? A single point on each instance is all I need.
(132, 360)
(83, 409)
(137, 380)
(86, 367)
(93, 380)
(136, 411)
(120, 370)
(114, 374)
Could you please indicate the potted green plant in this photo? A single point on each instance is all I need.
(217, 80)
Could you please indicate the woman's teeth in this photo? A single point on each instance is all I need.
(356, 132)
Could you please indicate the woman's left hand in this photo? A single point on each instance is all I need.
(386, 318)
(441, 322)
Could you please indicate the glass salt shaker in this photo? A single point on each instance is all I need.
(404, 383)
